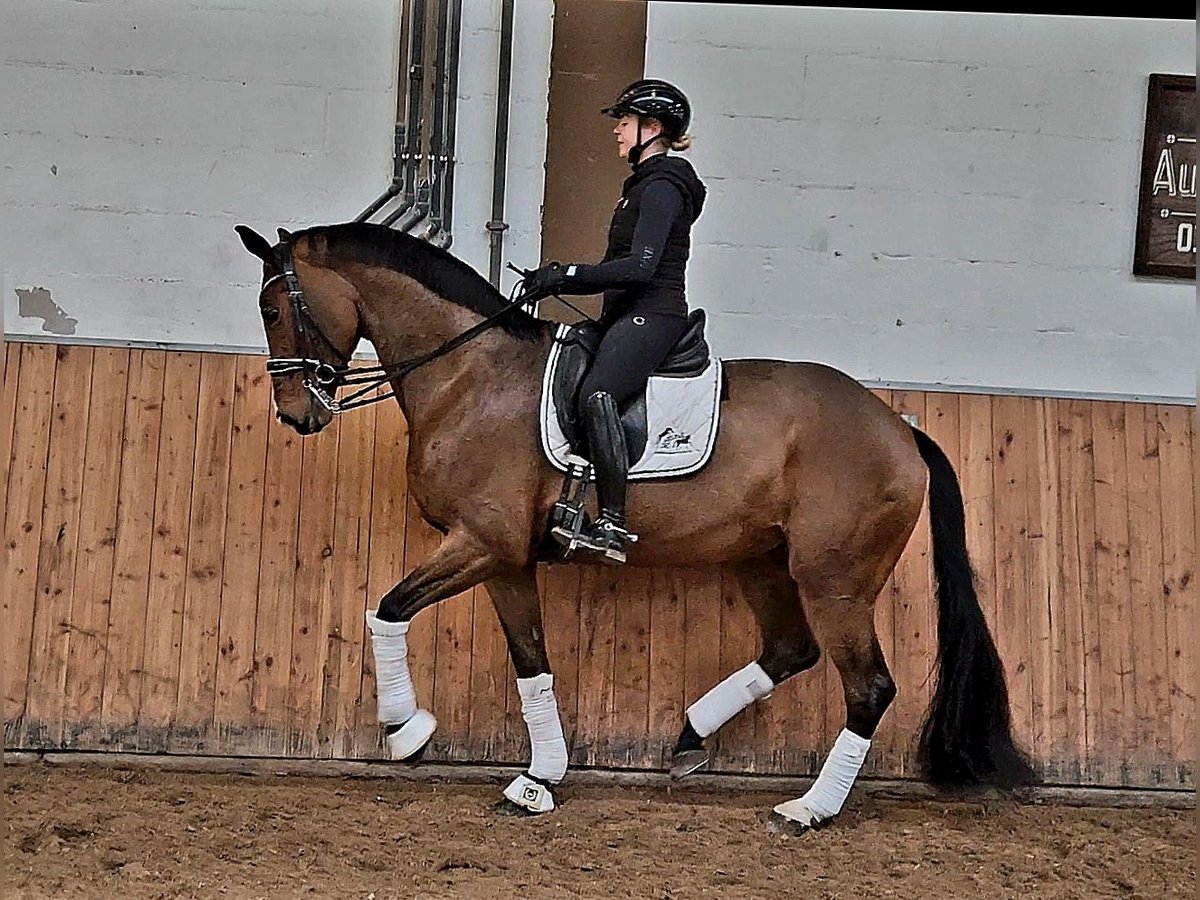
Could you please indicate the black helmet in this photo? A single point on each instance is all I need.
(652, 97)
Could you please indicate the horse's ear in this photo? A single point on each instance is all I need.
(256, 243)
(284, 235)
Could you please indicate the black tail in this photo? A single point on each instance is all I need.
(967, 738)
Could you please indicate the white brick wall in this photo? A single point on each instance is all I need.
(137, 133)
(936, 199)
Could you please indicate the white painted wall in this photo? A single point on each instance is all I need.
(137, 133)
(937, 199)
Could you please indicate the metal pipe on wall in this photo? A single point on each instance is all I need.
(497, 226)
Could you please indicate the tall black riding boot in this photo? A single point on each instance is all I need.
(610, 460)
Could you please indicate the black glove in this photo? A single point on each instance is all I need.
(544, 281)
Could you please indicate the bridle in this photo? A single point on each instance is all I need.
(323, 379)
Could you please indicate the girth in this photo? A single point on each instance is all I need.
(688, 358)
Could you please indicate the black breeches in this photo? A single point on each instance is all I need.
(632, 348)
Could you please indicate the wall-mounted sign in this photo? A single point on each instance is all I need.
(1166, 220)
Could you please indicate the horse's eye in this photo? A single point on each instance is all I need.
(270, 314)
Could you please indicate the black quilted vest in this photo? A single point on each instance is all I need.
(665, 293)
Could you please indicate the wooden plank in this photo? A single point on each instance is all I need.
(233, 709)
(597, 640)
(170, 498)
(1116, 675)
(915, 618)
(452, 683)
(131, 561)
(1151, 729)
(84, 687)
(1177, 479)
(1013, 445)
(389, 499)
(739, 644)
(668, 663)
(1041, 483)
(60, 537)
(1076, 632)
(631, 671)
(205, 556)
(558, 587)
(12, 371)
(23, 525)
(486, 725)
(341, 676)
(314, 572)
(276, 588)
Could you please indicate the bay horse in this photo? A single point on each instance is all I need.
(810, 496)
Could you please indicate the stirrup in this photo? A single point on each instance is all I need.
(608, 538)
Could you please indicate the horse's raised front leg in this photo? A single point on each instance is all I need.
(788, 647)
(458, 564)
(515, 597)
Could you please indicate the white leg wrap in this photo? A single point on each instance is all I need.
(397, 699)
(729, 698)
(828, 793)
(549, 762)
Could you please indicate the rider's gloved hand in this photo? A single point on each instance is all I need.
(544, 281)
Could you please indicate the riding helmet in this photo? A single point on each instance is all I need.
(659, 99)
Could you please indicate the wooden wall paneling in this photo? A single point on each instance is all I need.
(597, 639)
(629, 735)
(341, 675)
(701, 638)
(198, 650)
(452, 684)
(1147, 607)
(1176, 474)
(276, 588)
(886, 745)
(84, 687)
(123, 667)
(170, 500)
(1071, 448)
(1115, 679)
(12, 372)
(1041, 531)
(1013, 559)
(739, 644)
(915, 622)
(486, 724)
(52, 624)
(558, 587)
(667, 663)
(385, 564)
(317, 485)
(234, 715)
(32, 413)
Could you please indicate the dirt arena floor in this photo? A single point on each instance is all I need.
(102, 833)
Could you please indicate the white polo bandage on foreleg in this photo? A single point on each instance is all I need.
(549, 756)
(729, 698)
(828, 794)
(397, 699)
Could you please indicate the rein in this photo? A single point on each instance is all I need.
(324, 380)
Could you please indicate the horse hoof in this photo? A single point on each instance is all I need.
(778, 824)
(407, 743)
(687, 762)
(508, 810)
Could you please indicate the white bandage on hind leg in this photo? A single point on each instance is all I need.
(729, 698)
(397, 699)
(828, 793)
(549, 757)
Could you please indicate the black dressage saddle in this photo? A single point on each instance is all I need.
(688, 358)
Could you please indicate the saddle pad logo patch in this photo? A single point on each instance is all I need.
(672, 441)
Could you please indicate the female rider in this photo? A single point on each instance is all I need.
(642, 278)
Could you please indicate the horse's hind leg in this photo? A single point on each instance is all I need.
(515, 597)
(788, 648)
(841, 609)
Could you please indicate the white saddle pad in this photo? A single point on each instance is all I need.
(681, 421)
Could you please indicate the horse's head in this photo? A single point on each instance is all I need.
(311, 317)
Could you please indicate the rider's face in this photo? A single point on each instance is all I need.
(626, 131)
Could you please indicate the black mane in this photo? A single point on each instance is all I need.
(438, 270)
